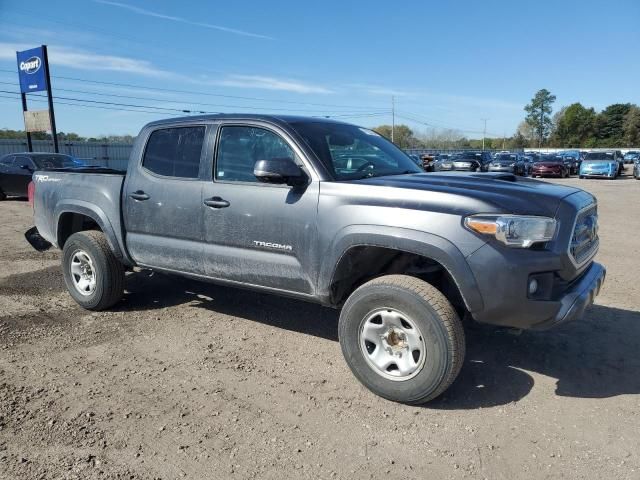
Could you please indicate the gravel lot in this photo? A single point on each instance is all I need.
(192, 380)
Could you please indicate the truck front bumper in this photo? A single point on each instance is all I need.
(503, 277)
(577, 298)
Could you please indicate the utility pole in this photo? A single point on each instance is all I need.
(484, 131)
(393, 117)
(52, 115)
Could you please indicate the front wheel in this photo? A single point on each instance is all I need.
(2, 195)
(402, 339)
(93, 275)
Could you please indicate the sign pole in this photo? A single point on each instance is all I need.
(24, 109)
(52, 115)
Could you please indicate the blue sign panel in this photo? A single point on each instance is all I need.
(31, 70)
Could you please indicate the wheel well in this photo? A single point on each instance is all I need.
(363, 263)
(70, 223)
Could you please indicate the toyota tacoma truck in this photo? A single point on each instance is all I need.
(331, 213)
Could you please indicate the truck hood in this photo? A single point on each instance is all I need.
(479, 192)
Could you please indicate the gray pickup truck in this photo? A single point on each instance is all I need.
(335, 214)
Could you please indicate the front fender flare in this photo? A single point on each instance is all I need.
(407, 240)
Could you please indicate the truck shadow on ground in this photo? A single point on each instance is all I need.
(596, 357)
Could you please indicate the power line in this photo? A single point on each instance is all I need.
(114, 103)
(194, 92)
(140, 108)
(40, 100)
(413, 119)
(85, 92)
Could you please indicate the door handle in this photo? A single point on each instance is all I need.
(139, 195)
(216, 202)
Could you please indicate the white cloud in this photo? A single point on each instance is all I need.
(83, 60)
(271, 83)
(89, 61)
(149, 13)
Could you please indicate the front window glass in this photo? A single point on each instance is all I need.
(351, 152)
(241, 147)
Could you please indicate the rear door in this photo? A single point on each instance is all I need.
(162, 200)
(257, 233)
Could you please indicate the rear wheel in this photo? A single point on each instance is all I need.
(2, 195)
(402, 339)
(93, 275)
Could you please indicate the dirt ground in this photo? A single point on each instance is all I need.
(189, 380)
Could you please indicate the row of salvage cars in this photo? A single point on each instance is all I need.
(600, 164)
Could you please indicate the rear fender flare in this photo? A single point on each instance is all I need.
(96, 214)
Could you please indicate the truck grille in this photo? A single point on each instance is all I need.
(584, 241)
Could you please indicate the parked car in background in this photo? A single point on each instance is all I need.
(509, 162)
(16, 169)
(472, 161)
(631, 156)
(573, 159)
(636, 169)
(428, 160)
(443, 163)
(550, 166)
(620, 158)
(600, 165)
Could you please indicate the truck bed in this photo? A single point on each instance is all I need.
(93, 192)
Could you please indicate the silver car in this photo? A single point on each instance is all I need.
(508, 163)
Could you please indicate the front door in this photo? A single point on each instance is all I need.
(162, 201)
(257, 233)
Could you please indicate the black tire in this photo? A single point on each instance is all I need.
(108, 270)
(580, 176)
(2, 195)
(437, 323)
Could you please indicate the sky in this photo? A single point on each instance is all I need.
(446, 64)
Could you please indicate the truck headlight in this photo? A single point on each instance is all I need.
(519, 231)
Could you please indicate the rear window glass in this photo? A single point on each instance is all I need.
(174, 152)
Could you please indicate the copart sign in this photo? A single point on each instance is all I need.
(31, 70)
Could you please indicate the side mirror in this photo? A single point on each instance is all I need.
(279, 171)
(26, 167)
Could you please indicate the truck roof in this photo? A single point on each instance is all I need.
(277, 119)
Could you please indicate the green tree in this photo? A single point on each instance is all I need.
(610, 125)
(575, 126)
(517, 141)
(402, 135)
(632, 127)
(539, 114)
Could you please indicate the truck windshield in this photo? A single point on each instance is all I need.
(351, 152)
